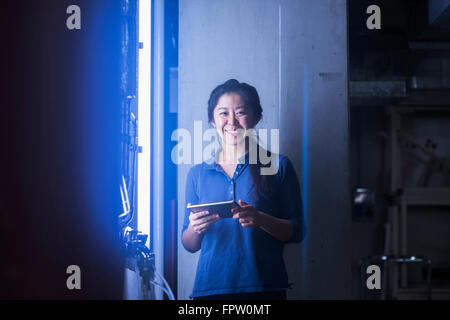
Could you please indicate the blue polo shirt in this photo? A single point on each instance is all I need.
(234, 259)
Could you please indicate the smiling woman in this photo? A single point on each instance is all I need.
(241, 257)
(232, 119)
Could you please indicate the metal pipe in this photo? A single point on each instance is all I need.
(158, 140)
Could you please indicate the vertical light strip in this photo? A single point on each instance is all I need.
(305, 179)
(144, 118)
(279, 66)
(158, 141)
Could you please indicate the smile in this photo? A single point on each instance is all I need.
(233, 133)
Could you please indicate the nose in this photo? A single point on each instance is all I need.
(232, 119)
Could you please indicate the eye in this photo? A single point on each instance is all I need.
(241, 111)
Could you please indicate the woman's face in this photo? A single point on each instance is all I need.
(232, 118)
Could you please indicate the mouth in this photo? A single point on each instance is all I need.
(234, 133)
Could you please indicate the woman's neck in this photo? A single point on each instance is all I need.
(230, 154)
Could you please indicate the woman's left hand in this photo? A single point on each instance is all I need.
(248, 215)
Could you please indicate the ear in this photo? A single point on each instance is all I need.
(213, 124)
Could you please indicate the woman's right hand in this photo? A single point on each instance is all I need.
(201, 221)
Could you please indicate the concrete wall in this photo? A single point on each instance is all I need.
(295, 53)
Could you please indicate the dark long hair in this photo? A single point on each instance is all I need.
(250, 97)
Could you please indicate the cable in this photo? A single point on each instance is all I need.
(166, 285)
(163, 289)
(171, 296)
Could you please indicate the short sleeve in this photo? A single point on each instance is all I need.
(291, 200)
(191, 197)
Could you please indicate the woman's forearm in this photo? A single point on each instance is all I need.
(191, 239)
(280, 229)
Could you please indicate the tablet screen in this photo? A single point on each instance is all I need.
(223, 209)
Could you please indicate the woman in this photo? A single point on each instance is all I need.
(242, 257)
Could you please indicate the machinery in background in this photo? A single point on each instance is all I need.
(138, 256)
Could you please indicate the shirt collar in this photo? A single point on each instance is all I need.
(212, 164)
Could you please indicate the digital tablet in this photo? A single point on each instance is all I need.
(223, 209)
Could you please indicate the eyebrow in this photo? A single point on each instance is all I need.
(239, 107)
